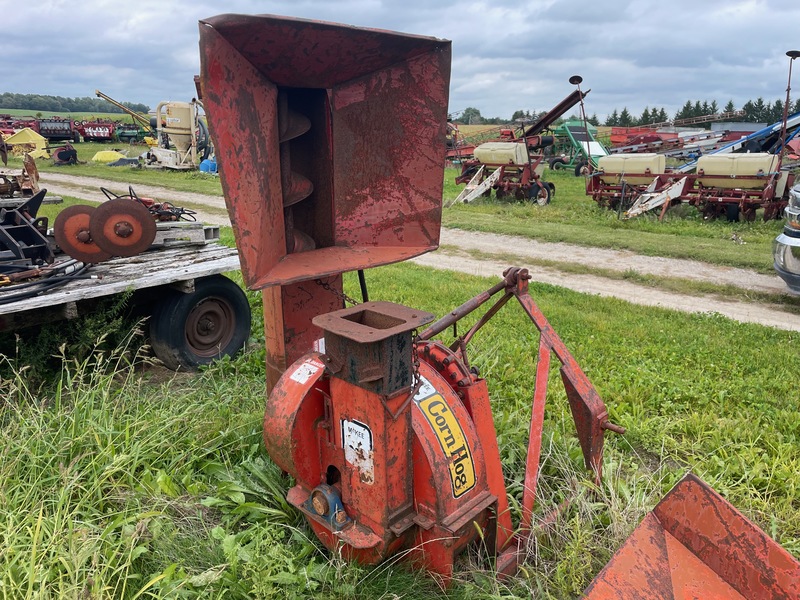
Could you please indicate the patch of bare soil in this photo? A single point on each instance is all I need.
(88, 188)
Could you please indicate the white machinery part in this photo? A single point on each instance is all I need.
(735, 166)
(650, 200)
(594, 148)
(178, 121)
(636, 169)
(474, 189)
(502, 153)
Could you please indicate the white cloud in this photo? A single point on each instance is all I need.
(506, 55)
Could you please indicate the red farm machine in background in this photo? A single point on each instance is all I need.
(512, 165)
(96, 130)
(739, 178)
(388, 433)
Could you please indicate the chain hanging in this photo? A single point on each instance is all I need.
(341, 295)
(416, 379)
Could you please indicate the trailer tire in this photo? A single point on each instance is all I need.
(557, 164)
(581, 168)
(189, 330)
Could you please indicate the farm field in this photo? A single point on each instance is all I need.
(77, 115)
(124, 480)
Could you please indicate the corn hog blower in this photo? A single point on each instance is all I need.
(330, 140)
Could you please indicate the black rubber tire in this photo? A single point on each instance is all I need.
(203, 141)
(580, 167)
(552, 187)
(556, 164)
(189, 330)
(539, 193)
(732, 212)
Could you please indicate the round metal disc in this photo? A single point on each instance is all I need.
(575, 79)
(71, 230)
(123, 227)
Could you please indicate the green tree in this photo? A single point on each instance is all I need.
(729, 107)
(685, 112)
(646, 118)
(613, 119)
(749, 112)
(471, 116)
(760, 110)
(625, 118)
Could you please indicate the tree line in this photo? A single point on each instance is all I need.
(37, 102)
(755, 111)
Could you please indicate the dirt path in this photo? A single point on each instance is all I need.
(453, 256)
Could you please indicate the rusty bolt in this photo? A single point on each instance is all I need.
(340, 516)
(320, 503)
(123, 229)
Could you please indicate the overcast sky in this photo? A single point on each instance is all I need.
(506, 55)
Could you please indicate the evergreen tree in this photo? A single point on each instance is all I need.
(760, 110)
(729, 107)
(645, 119)
(625, 119)
(749, 112)
(613, 119)
(776, 111)
(685, 112)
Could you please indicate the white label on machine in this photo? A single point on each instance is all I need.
(425, 390)
(357, 442)
(319, 345)
(306, 371)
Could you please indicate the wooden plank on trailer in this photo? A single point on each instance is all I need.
(181, 233)
(149, 269)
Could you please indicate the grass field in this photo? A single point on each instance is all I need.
(80, 116)
(122, 482)
(126, 481)
(193, 181)
(573, 217)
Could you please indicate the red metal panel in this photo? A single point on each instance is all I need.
(245, 136)
(376, 102)
(730, 544)
(696, 545)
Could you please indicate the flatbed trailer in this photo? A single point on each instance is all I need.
(196, 313)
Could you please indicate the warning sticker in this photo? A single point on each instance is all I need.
(357, 443)
(306, 370)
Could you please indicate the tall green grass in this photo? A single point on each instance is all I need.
(122, 480)
(575, 218)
